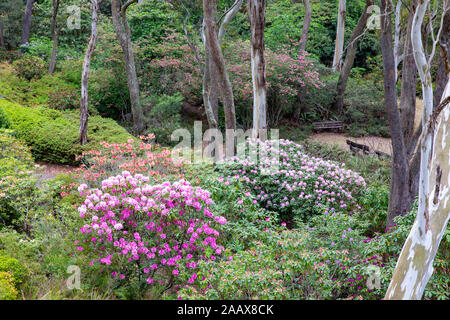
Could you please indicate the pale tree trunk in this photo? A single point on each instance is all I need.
(54, 32)
(228, 17)
(84, 114)
(415, 263)
(306, 24)
(340, 31)
(350, 57)
(399, 188)
(398, 10)
(27, 22)
(258, 64)
(210, 10)
(123, 33)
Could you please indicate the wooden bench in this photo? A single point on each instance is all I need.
(328, 125)
(357, 147)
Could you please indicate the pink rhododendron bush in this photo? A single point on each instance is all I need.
(299, 185)
(148, 234)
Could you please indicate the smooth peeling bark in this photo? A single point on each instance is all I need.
(350, 56)
(399, 187)
(84, 114)
(228, 17)
(415, 264)
(305, 28)
(340, 31)
(123, 32)
(258, 65)
(209, 11)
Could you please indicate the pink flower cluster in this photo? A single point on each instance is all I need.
(297, 179)
(168, 225)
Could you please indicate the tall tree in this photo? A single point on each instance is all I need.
(350, 56)
(123, 32)
(2, 39)
(216, 56)
(84, 114)
(27, 22)
(443, 71)
(340, 31)
(258, 64)
(399, 188)
(415, 264)
(306, 24)
(54, 30)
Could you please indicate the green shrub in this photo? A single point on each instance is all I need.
(4, 122)
(282, 268)
(164, 117)
(53, 135)
(29, 67)
(17, 184)
(15, 268)
(7, 290)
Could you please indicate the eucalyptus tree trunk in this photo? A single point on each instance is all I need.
(350, 57)
(415, 263)
(258, 64)
(443, 71)
(228, 17)
(306, 24)
(54, 32)
(84, 114)
(210, 78)
(398, 10)
(399, 188)
(210, 89)
(340, 30)
(27, 22)
(408, 82)
(216, 55)
(123, 32)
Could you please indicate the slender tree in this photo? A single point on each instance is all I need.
(415, 264)
(399, 188)
(340, 30)
(350, 56)
(123, 32)
(54, 30)
(306, 24)
(216, 55)
(84, 114)
(258, 64)
(27, 22)
(2, 39)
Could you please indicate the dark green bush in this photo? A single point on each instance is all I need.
(53, 135)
